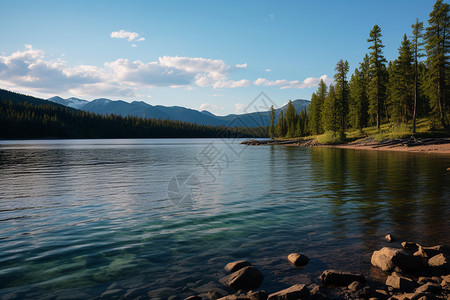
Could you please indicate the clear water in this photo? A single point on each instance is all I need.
(81, 217)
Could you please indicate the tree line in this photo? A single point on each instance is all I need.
(378, 91)
(26, 117)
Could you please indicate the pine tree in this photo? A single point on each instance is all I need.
(280, 128)
(417, 43)
(358, 103)
(330, 117)
(401, 83)
(315, 109)
(342, 93)
(272, 123)
(437, 48)
(291, 120)
(378, 76)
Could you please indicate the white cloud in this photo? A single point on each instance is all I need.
(30, 69)
(128, 35)
(231, 83)
(286, 84)
(239, 107)
(134, 45)
(208, 106)
(216, 95)
(268, 70)
(241, 66)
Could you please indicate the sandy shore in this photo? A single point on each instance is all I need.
(440, 148)
(430, 145)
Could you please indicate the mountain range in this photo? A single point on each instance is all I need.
(177, 113)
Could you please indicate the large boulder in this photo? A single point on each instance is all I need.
(440, 261)
(401, 283)
(247, 278)
(297, 291)
(390, 259)
(298, 260)
(332, 277)
(237, 265)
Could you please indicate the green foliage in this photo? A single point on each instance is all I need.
(28, 117)
(437, 48)
(332, 138)
(401, 84)
(331, 120)
(417, 43)
(291, 120)
(315, 109)
(272, 122)
(342, 93)
(378, 76)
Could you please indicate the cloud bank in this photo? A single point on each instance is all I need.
(31, 69)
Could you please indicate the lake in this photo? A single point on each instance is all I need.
(162, 217)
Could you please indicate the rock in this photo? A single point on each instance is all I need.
(426, 253)
(445, 283)
(355, 285)
(194, 298)
(389, 259)
(297, 291)
(365, 293)
(237, 265)
(258, 295)
(422, 280)
(251, 295)
(410, 296)
(401, 283)
(410, 246)
(429, 288)
(216, 294)
(299, 260)
(332, 277)
(440, 261)
(389, 238)
(248, 278)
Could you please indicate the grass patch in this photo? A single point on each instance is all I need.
(332, 138)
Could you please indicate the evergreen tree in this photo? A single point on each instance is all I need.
(330, 116)
(437, 48)
(280, 128)
(401, 83)
(417, 43)
(358, 105)
(342, 92)
(272, 122)
(315, 109)
(291, 120)
(378, 76)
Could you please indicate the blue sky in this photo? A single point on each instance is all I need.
(214, 55)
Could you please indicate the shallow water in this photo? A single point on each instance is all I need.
(79, 217)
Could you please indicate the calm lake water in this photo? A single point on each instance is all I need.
(162, 217)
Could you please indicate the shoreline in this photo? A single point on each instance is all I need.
(429, 146)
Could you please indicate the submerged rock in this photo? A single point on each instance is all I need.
(247, 278)
(389, 259)
(332, 277)
(389, 238)
(297, 291)
(237, 265)
(355, 285)
(299, 260)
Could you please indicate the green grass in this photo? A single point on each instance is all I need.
(386, 131)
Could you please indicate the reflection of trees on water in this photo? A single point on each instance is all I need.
(404, 194)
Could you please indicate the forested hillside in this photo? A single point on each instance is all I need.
(25, 117)
(414, 85)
